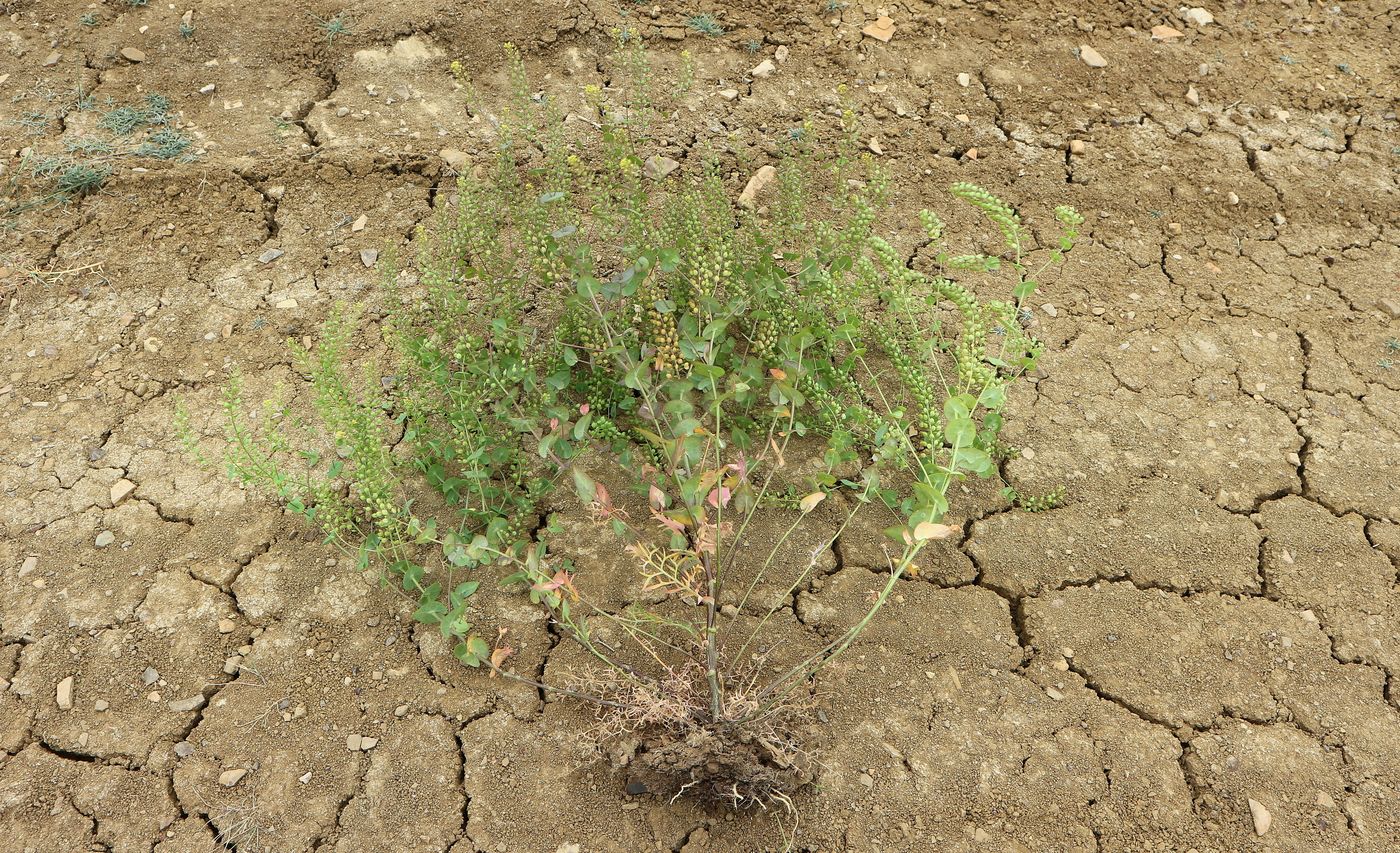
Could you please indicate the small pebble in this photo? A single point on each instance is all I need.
(867, 780)
(227, 626)
(133, 54)
(353, 742)
(1050, 310)
(1054, 694)
(104, 539)
(100, 705)
(763, 70)
(305, 777)
(729, 94)
(270, 255)
(1162, 32)
(657, 167)
(121, 490)
(149, 676)
(964, 79)
(51, 60)
(881, 28)
(360, 223)
(229, 778)
(182, 706)
(184, 749)
(1262, 819)
(207, 89)
(369, 257)
(286, 303)
(368, 743)
(400, 711)
(1200, 17)
(63, 694)
(1076, 146)
(1091, 57)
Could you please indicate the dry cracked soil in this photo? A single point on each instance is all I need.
(1197, 651)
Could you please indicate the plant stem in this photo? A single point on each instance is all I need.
(712, 640)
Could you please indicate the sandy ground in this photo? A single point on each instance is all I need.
(1206, 633)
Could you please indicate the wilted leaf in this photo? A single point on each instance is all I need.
(810, 502)
(926, 530)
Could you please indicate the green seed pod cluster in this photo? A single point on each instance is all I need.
(605, 430)
(923, 394)
(765, 339)
(996, 210)
(656, 329)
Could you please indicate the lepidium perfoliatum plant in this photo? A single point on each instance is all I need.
(720, 368)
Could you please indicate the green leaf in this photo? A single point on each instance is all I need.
(584, 485)
(581, 428)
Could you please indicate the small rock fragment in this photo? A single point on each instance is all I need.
(1200, 17)
(1076, 146)
(184, 749)
(1091, 57)
(1325, 800)
(181, 706)
(104, 539)
(1232, 198)
(52, 59)
(1050, 310)
(29, 565)
(226, 626)
(875, 146)
(761, 179)
(1054, 694)
(360, 223)
(63, 694)
(149, 676)
(286, 303)
(305, 777)
(1192, 96)
(133, 54)
(368, 743)
(121, 490)
(207, 89)
(1162, 32)
(881, 28)
(657, 167)
(353, 742)
(100, 705)
(1389, 306)
(729, 94)
(763, 70)
(400, 711)
(369, 257)
(970, 154)
(229, 778)
(1262, 819)
(270, 255)
(964, 79)
(781, 54)
(867, 780)
(456, 160)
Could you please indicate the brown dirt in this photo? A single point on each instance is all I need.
(1213, 618)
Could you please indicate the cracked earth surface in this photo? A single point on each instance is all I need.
(1212, 618)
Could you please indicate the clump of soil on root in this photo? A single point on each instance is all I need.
(730, 765)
